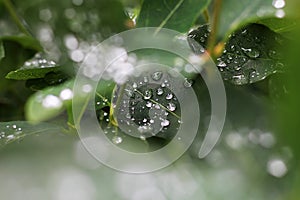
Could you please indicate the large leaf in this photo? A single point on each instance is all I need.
(17, 130)
(251, 54)
(178, 15)
(235, 14)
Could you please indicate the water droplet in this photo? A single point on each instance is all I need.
(142, 137)
(165, 122)
(157, 76)
(148, 104)
(222, 64)
(188, 83)
(169, 96)
(278, 4)
(146, 80)
(148, 94)
(87, 88)
(10, 137)
(117, 140)
(14, 126)
(134, 85)
(280, 13)
(129, 93)
(159, 91)
(252, 53)
(239, 79)
(171, 106)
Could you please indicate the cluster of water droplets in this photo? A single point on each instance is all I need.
(145, 107)
(10, 133)
(250, 55)
(38, 62)
(279, 6)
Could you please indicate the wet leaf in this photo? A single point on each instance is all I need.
(178, 15)
(16, 130)
(251, 54)
(34, 68)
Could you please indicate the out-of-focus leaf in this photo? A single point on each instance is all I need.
(2, 53)
(235, 13)
(26, 41)
(251, 54)
(51, 101)
(17, 130)
(178, 15)
(277, 25)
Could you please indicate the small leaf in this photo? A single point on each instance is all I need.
(52, 101)
(17, 130)
(34, 68)
(178, 15)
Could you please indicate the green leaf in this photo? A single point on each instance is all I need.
(235, 13)
(34, 68)
(251, 54)
(52, 101)
(178, 15)
(2, 53)
(279, 25)
(17, 130)
(25, 41)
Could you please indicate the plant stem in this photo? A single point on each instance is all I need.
(11, 10)
(214, 26)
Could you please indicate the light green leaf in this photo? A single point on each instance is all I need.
(17, 130)
(279, 25)
(52, 101)
(178, 15)
(236, 13)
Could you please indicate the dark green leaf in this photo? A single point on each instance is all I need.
(2, 53)
(17, 130)
(178, 15)
(251, 54)
(26, 41)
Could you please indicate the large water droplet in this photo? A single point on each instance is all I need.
(159, 91)
(252, 53)
(148, 94)
(165, 123)
(169, 96)
(156, 76)
(188, 83)
(277, 168)
(171, 106)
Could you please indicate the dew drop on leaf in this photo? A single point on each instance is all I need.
(156, 76)
(117, 140)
